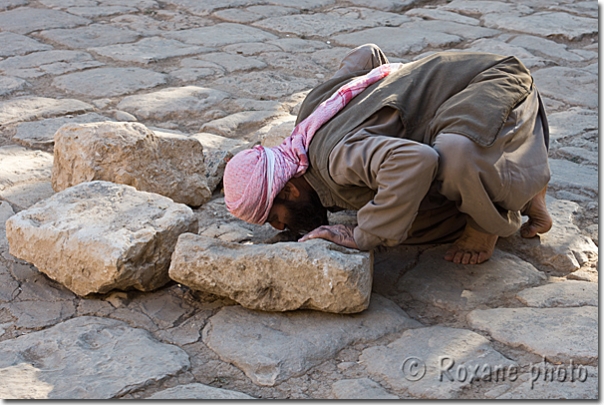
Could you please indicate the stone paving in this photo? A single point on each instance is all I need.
(522, 325)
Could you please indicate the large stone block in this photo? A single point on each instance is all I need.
(280, 277)
(130, 153)
(98, 236)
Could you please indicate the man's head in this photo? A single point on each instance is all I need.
(297, 207)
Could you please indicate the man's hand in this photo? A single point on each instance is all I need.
(340, 234)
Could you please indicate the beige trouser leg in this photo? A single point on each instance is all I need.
(492, 184)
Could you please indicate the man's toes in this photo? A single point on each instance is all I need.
(483, 257)
(528, 230)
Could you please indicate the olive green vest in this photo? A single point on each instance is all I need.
(466, 93)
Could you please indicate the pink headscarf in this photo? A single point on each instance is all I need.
(253, 178)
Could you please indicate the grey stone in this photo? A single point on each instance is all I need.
(304, 5)
(9, 85)
(85, 358)
(109, 82)
(545, 24)
(39, 314)
(217, 150)
(40, 134)
(251, 48)
(503, 48)
(24, 175)
(232, 63)
(385, 5)
(198, 391)
(6, 211)
(15, 44)
(148, 50)
(578, 155)
(129, 153)
(360, 388)
(570, 85)
(47, 62)
(124, 116)
(187, 332)
(280, 277)
(278, 130)
(570, 176)
(209, 6)
(457, 287)
(93, 35)
(545, 46)
(584, 274)
(583, 384)
(415, 362)
(98, 236)
(32, 108)
(561, 294)
(165, 21)
(173, 103)
(239, 125)
(24, 20)
(7, 4)
(332, 22)
(268, 85)
(486, 7)
(273, 347)
(296, 45)
(220, 34)
(561, 250)
(571, 123)
(435, 14)
(253, 13)
(100, 11)
(558, 334)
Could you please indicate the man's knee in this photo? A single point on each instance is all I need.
(455, 153)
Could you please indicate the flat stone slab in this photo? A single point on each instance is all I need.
(24, 175)
(559, 334)
(232, 63)
(93, 35)
(85, 358)
(563, 249)
(220, 35)
(41, 134)
(572, 122)
(98, 236)
(24, 20)
(569, 176)
(564, 381)
(272, 347)
(316, 275)
(15, 44)
(265, 85)
(130, 153)
(198, 391)
(54, 62)
(33, 108)
(360, 388)
(571, 85)
(453, 286)
(148, 50)
(561, 294)
(109, 81)
(436, 362)
(241, 124)
(173, 103)
(9, 85)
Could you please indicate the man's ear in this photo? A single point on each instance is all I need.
(289, 192)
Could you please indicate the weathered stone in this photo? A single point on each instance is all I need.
(232, 63)
(569, 176)
(220, 35)
(561, 250)
(414, 363)
(209, 6)
(174, 103)
(332, 22)
(296, 45)
(98, 236)
(130, 153)
(570, 85)
(559, 334)
(24, 175)
(40, 134)
(384, 5)
(278, 130)
(217, 150)
(272, 347)
(109, 82)
(563, 381)
(198, 391)
(93, 35)
(281, 277)
(100, 11)
(252, 48)
(32, 108)
(54, 62)
(148, 50)
(15, 44)
(9, 85)
(24, 20)
(98, 358)
(360, 388)
(461, 287)
(546, 47)
(571, 123)
(584, 274)
(39, 314)
(241, 124)
(503, 48)
(6, 211)
(267, 85)
(561, 294)
(545, 24)
(8, 4)
(434, 14)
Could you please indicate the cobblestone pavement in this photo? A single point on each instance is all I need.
(522, 325)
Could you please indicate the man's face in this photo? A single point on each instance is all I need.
(300, 215)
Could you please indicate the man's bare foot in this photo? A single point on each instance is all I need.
(472, 247)
(539, 219)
